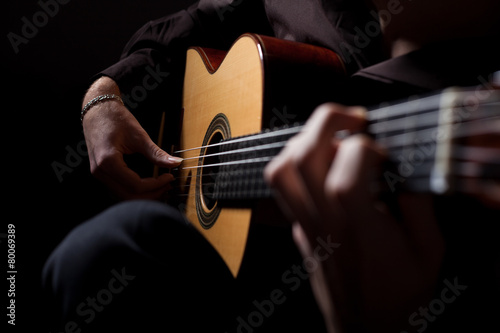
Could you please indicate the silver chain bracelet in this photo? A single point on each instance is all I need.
(98, 100)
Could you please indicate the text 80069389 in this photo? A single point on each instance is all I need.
(11, 274)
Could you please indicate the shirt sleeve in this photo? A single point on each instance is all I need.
(151, 68)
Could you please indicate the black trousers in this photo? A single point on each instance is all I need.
(140, 266)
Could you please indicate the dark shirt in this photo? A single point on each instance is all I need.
(463, 62)
(348, 27)
(160, 46)
(217, 23)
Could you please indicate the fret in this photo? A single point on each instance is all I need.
(238, 179)
(451, 104)
(419, 136)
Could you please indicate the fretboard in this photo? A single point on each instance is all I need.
(417, 134)
(242, 162)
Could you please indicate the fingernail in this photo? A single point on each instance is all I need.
(175, 159)
(358, 111)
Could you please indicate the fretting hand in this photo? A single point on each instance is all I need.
(384, 267)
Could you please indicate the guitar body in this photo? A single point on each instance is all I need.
(235, 94)
(235, 91)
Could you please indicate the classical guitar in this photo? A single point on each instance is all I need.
(441, 143)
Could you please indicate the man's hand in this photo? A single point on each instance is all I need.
(383, 268)
(112, 131)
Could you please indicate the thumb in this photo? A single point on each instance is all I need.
(158, 156)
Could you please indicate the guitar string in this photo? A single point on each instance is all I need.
(265, 135)
(400, 141)
(389, 142)
(456, 158)
(460, 130)
(377, 128)
(273, 145)
(471, 168)
(476, 154)
(428, 120)
(422, 183)
(425, 105)
(372, 116)
(247, 161)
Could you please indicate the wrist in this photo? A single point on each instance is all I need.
(102, 90)
(97, 100)
(102, 86)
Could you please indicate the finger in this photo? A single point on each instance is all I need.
(301, 240)
(298, 173)
(348, 183)
(113, 170)
(356, 221)
(290, 191)
(314, 151)
(333, 117)
(157, 155)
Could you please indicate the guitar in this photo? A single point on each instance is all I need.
(441, 143)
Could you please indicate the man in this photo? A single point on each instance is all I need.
(158, 49)
(384, 269)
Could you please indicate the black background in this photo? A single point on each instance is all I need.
(46, 80)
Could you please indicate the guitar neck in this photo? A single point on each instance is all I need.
(238, 167)
(425, 139)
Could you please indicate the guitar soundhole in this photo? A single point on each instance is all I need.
(206, 204)
(209, 172)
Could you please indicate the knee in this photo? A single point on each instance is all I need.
(99, 245)
(118, 227)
